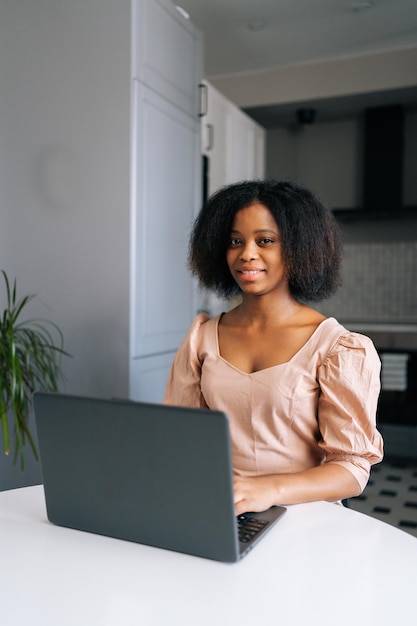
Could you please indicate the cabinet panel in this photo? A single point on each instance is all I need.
(235, 147)
(245, 159)
(166, 192)
(215, 136)
(233, 142)
(148, 377)
(167, 53)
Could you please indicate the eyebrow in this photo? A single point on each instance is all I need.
(256, 232)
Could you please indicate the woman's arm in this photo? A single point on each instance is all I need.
(330, 482)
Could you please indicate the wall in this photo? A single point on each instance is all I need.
(379, 284)
(322, 79)
(64, 177)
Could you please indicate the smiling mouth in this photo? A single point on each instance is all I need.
(249, 275)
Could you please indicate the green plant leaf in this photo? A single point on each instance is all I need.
(30, 354)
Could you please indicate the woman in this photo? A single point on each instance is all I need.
(300, 390)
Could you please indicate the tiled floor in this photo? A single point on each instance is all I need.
(391, 494)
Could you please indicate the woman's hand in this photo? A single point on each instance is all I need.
(255, 493)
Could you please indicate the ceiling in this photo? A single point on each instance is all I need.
(251, 35)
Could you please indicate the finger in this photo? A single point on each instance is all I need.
(240, 507)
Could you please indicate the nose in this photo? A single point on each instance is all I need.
(249, 251)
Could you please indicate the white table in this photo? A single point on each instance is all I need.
(321, 564)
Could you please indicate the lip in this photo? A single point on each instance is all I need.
(250, 273)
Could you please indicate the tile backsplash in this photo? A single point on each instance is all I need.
(379, 284)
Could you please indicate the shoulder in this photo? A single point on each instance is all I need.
(343, 341)
(202, 321)
(201, 325)
(346, 338)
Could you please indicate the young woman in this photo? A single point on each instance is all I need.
(300, 390)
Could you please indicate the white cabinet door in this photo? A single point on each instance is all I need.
(165, 188)
(149, 377)
(235, 147)
(215, 136)
(166, 191)
(167, 53)
(245, 156)
(233, 142)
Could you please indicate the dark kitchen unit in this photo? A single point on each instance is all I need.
(397, 409)
(383, 145)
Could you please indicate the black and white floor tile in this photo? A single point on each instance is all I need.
(391, 494)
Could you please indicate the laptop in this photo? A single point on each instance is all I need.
(149, 473)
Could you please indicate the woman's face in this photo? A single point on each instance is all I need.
(254, 255)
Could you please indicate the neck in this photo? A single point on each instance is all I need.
(264, 310)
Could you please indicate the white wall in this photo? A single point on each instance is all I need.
(64, 167)
(322, 79)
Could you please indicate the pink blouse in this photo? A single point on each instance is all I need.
(319, 407)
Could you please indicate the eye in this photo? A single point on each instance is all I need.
(265, 241)
(234, 241)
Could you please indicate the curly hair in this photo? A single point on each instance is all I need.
(310, 236)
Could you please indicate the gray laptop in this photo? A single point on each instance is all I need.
(149, 473)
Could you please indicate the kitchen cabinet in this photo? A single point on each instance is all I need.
(232, 141)
(149, 375)
(246, 148)
(166, 144)
(234, 146)
(167, 53)
(166, 189)
(215, 135)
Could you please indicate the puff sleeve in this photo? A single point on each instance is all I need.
(349, 379)
(183, 386)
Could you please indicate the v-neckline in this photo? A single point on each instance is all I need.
(265, 369)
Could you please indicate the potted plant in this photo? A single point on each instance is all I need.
(30, 354)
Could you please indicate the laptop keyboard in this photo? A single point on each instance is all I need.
(249, 527)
